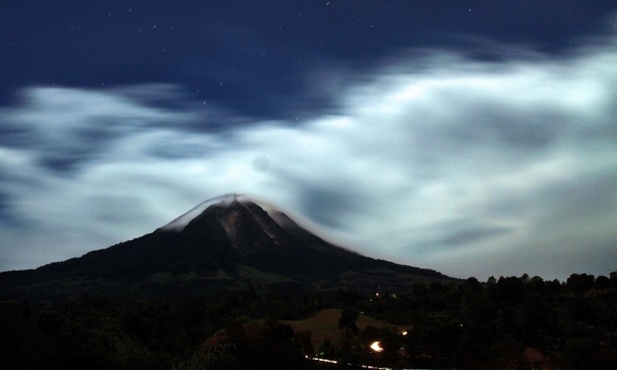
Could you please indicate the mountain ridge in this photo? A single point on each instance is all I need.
(223, 244)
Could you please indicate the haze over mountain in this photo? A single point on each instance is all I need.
(224, 244)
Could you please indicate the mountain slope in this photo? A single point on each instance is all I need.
(222, 245)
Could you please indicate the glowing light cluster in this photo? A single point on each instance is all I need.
(376, 346)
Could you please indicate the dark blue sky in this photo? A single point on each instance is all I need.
(475, 138)
(257, 57)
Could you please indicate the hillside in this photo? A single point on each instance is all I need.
(215, 248)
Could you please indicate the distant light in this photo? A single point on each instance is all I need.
(376, 346)
(404, 332)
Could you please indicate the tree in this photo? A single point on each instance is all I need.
(602, 282)
(441, 333)
(537, 285)
(579, 283)
(535, 315)
(472, 284)
(348, 320)
(351, 350)
(511, 289)
(613, 276)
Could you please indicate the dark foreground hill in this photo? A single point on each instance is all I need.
(219, 247)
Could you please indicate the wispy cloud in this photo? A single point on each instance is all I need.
(471, 168)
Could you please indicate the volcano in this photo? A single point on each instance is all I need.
(224, 244)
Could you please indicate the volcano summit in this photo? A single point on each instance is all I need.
(224, 244)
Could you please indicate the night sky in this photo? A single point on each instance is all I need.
(475, 138)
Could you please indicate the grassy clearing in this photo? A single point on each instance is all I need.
(324, 324)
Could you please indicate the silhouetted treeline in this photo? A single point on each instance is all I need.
(571, 325)
(517, 322)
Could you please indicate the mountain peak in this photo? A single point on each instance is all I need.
(226, 208)
(181, 222)
(223, 243)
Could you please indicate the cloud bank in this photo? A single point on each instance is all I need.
(470, 168)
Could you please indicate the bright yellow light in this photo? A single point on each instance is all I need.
(404, 332)
(376, 346)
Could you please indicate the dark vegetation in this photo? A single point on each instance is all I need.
(513, 322)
